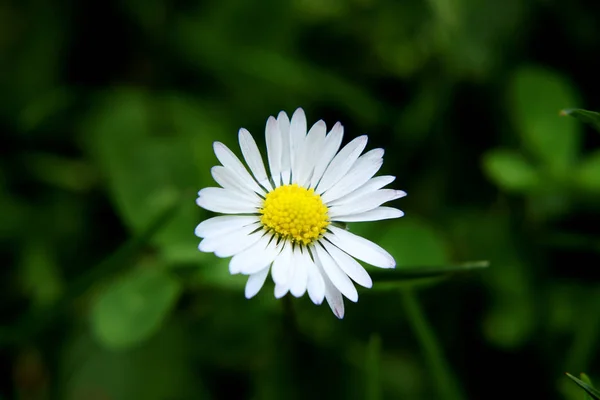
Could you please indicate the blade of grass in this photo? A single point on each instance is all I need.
(590, 390)
(587, 380)
(409, 273)
(446, 384)
(589, 117)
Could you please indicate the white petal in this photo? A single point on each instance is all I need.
(211, 243)
(229, 160)
(255, 282)
(273, 140)
(225, 201)
(371, 186)
(286, 159)
(229, 243)
(316, 284)
(326, 154)
(298, 125)
(363, 169)
(261, 258)
(332, 294)
(237, 244)
(253, 158)
(335, 274)
(256, 257)
(361, 248)
(282, 268)
(226, 223)
(300, 278)
(312, 146)
(284, 123)
(377, 214)
(349, 265)
(366, 203)
(335, 300)
(230, 181)
(297, 138)
(342, 163)
(281, 290)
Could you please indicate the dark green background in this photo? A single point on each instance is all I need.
(108, 111)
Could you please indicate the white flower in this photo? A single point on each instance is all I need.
(287, 222)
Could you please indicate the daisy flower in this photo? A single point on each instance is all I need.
(290, 220)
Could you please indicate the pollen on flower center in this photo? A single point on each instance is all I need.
(295, 213)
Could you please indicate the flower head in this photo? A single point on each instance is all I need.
(287, 221)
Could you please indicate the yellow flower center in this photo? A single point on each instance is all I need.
(295, 213)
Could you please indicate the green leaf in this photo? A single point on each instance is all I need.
(409, 273)
(589, 117)
(589, 389)
(510, 170)
(43, 106)
(163, 367)
(587, 175)
(587, 380)
(413, 242)
(417, 248)
(134, 307)
(68, 174)
(145, 147)
(537, 96)
(130, 157)
(510, 318)
(40, 274)
(36, 321)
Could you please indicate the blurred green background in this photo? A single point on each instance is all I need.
(108, 111)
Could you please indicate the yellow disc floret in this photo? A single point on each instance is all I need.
(295, 213)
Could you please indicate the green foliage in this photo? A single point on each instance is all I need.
(589, 117)
(585, 384)
(410, 273)
(414, 243)
(587, 380)
(148, 150)
(445, 383)
(510, 319)
(159, 368)
(552, 145)
(588, 173)
(421, 255)
(510, 170)
(537, 96)
(40, 275)
(38, 319)
(586, 333)
(134, 307)
(373, 380)
(108, 116)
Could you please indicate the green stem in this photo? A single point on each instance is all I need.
(373, 378)
(445, 382)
